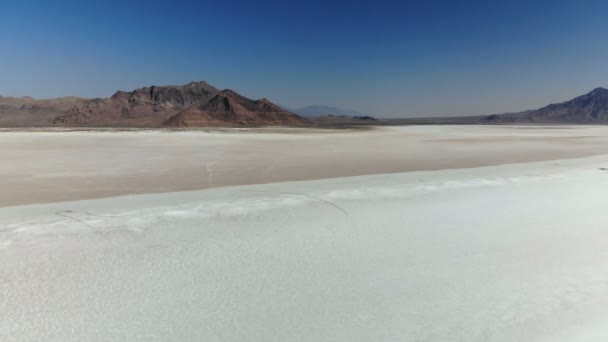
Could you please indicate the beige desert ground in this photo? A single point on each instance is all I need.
(41, 166)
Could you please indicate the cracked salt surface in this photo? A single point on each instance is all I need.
(502, 253)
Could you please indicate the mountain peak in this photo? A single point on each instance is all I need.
(599, 90)
(200, 84)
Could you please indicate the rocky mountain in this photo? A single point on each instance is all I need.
(586, 109)
(591, 108)
(199, 104)
(317, 110)
(193, 104)
(228, 106)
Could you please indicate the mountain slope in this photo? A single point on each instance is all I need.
(148, 106)
(193, 104)
(27, 111)
(589, 108)
(230, 107)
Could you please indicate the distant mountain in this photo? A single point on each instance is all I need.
(589, 108)
(193, 104)
(343, 120)
(27, 111)
(200, 104)
(317, 110)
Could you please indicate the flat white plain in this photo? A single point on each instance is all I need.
(499, 253)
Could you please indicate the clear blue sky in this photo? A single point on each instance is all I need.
(386, 58)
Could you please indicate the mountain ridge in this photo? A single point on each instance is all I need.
(591, 107)
(200, 104)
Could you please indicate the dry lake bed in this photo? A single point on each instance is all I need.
(418, 233)
(47, 166)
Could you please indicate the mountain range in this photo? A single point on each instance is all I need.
(194, 104)
(198, 104)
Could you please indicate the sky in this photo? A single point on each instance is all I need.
(384, 58)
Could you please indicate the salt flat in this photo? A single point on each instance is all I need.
(498, 253)
(43, 166)
(451, 246)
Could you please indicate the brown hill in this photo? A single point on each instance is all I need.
(27, 111)
(230, 107)
(193, 104)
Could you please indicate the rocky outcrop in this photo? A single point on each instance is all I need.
(191, 105)
(230, 108)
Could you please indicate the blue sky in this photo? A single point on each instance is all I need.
(386, 58)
